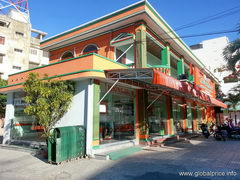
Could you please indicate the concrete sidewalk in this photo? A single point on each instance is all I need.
(151, 163)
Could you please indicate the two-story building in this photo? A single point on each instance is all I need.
(135, 79)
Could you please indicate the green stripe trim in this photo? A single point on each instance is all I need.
(61, 75)
(96, 21)
(11, 85)
(62, 61)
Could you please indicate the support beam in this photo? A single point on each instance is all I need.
(141, 46)
(141, 115)
(165, 55)
(180, 67)
(9, 115)
(96, 115)
(108, 91)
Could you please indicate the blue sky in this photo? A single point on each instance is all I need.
(56, 16)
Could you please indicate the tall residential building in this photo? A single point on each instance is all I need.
(19, 44)
(210, 52)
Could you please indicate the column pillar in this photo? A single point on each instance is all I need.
(170, 128)
(165, 56)
(141, 46)
(142, 126)
(195, 121)
(96, 115)
(9, 115)
(180, 66)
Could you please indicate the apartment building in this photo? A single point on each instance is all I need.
(210, 52)
(19, 44)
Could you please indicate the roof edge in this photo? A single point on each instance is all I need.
(142, 2)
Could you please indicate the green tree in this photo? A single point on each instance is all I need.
(3, 99)
(232, 54)
(233, 97)
(48, 100)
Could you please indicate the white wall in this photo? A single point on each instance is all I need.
(211, 56)
(9, 115)
(77, 113)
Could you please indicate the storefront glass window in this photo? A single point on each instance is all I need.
(117, 115)
(177, 112)
(189, 116)
(23, 126)
(157, 115)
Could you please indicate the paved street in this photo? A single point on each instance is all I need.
(221, 160)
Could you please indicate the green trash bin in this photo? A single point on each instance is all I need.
(67, 143)
(161, 132)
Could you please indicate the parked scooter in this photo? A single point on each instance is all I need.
(205, 131)
(220, 134)
(224, 131)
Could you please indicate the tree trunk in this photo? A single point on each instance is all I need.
(235, 118)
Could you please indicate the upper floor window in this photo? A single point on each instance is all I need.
(2, 40)
(33, 51)
(45, 54)
(90, 48)
(16, 67)
(196, 46)
(33, 65)
(18, 50)
(19, 33)
(3, 24)
(67, 55)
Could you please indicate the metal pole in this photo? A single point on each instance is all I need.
(155, 100)
(124, 52)
(108, 91)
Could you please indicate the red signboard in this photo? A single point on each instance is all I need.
(183, 86)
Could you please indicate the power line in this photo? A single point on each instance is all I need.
(219, 15)
(203, 34)
(197, 35)
(210, 18)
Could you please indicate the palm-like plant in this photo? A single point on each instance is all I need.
(233, 98)
(232, 54)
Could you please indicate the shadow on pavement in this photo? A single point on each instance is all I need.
(198, 155)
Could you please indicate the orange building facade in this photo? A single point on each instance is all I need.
(136, 80)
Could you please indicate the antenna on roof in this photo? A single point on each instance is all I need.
(20, 6)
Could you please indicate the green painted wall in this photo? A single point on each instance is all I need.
(180, 68)
(96, 114)
(165, 56)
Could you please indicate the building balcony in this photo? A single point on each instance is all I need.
(86, 66)
(3, 68)
(34, 59)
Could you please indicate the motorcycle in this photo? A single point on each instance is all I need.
(220, 134)
(224, 131)
(205, 131)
